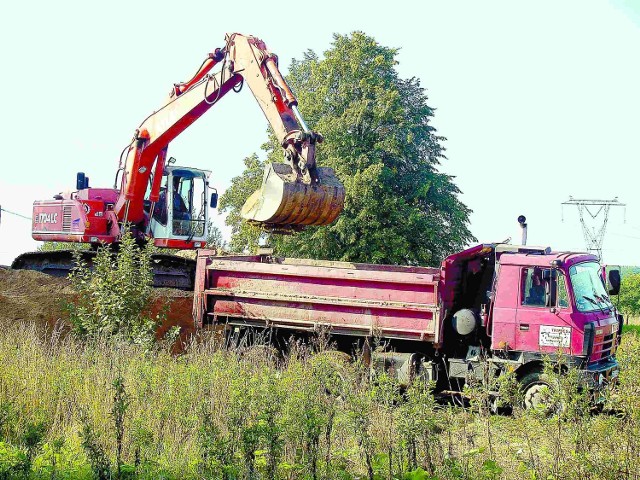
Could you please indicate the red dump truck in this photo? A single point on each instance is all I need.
(502, 306)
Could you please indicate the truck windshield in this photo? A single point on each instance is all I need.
(588, 288)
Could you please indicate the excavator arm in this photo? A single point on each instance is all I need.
(292, 195)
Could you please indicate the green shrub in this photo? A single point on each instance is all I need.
(113, 299)
(14, 463)
(100, 465)
(629, 300)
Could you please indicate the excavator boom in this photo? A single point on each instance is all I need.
(289, 197)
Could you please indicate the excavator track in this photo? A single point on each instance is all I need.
(169, 271)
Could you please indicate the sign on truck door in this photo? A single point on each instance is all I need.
(542, 318)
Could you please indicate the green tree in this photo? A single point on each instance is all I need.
(214, 236)
(378, 138)
(243, 235)
(630, 295)
(56, 246)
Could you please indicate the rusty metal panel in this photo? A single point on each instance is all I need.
(355, 299)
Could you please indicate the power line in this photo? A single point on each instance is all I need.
(13, 213)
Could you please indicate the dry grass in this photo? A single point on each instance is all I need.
(216, 413)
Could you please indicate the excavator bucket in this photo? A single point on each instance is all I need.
(283, 202)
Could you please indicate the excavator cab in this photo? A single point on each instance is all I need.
(179, 217)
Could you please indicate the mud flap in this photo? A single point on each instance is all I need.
(285, 202)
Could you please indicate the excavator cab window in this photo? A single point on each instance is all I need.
(160, 209)
(188, 204)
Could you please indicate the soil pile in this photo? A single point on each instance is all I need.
(177, 306)
(35, 296)
(30, 295)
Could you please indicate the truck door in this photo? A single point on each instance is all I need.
(504, 308)
(541, 325)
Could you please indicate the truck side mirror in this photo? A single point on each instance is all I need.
(214, 200)
(613, 285)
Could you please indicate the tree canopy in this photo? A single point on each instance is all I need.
(399, 208)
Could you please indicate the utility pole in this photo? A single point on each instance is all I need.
(594, 223)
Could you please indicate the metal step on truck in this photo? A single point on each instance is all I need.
(504, 306)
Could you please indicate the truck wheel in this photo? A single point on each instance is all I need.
(537, 393)
(332, 368)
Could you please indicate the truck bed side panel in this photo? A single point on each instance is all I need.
(353, 299)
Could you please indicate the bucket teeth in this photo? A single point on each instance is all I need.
(284, 202)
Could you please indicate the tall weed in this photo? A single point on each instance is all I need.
(232, 414)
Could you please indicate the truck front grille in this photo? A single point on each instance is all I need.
(602, 346)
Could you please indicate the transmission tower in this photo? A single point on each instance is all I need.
(594, 223)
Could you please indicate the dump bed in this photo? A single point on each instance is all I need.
(350, 298)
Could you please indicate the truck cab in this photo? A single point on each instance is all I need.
(534, 304)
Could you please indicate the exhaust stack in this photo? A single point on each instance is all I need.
(522, 220)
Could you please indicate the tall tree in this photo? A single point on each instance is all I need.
(378, 138)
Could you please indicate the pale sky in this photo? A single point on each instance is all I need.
(539, 100)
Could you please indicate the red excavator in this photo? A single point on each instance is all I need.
(167, 204)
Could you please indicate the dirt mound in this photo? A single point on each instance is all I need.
(35, 296)
(25, 294)
(176, 305)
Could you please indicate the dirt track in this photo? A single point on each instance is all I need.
(30, 295)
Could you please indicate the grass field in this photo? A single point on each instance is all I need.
(632, 325)
(70, 410)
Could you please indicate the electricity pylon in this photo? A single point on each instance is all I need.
(594, 228)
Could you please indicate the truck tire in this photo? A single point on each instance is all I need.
(332, 368)
(537, 393)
